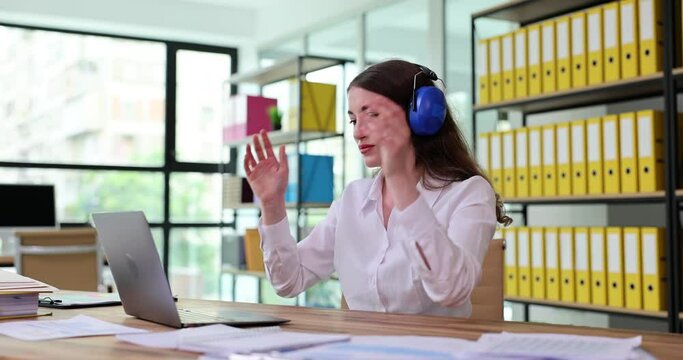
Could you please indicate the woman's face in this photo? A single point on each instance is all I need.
(369, 113)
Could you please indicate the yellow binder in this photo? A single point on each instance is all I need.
(611, 168)
(564, 56)
(628, 145)
(598, 266)
(582, 263)
(521, 80)
(496, 157)
(650, 36)
(650, 150)
(511, 284)
(549, 65)
(615, 267)
(549, 161)
(252, 250)
(495, 71)
(483, 152)
(318, 101)
(535, 163)
(579, 162)
(568, 287)
(537, 263)
(483, 71)
(594, 147)
(564, 164)
(534, 52)
(629, 38)
(632, 268)
(595, 47)
(508, 66)
(552, 264)
(654, 269)
(579, 50)
(523, 262)
(509, 174)
(611, 41)
(522, 161)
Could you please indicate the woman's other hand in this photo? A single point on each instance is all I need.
(267, 176)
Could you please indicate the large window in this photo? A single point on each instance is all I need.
(117, 124)
(83, 99)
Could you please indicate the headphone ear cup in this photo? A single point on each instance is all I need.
(430, 111)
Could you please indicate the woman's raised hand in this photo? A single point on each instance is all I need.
(266, 175)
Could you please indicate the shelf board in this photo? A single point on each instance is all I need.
(305, 205)
(621, 90)
(527, 11)
(679, 194)
(650, 197)
(286, 137)
(283, 70)
(227, 269)
(589, 307)
(678, 72)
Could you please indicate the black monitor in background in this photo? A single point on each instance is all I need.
(27, 206)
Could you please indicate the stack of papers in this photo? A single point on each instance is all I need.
(19, 294)
(11, 283)
(18, 304)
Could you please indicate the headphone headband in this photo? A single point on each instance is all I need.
(431, 75)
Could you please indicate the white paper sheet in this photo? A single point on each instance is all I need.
(77, 326)
(555, 346)
(383, 347)
(260, 343)
(224, 340)
(173, 339)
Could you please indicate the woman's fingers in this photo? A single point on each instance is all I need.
(249, 161)
(257, 147)
(267, 145)
(284, 165)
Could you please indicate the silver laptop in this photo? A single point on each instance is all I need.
(142, 284)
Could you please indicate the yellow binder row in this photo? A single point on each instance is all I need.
(618, 40)
(619, 267)
(610, 155)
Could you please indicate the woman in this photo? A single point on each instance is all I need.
(410, 240)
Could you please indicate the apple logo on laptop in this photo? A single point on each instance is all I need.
(132, 266)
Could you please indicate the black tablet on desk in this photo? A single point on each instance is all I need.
(78, 300)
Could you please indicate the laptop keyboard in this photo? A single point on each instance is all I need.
(192, 317)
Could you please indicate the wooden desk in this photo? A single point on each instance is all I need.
(661, 345)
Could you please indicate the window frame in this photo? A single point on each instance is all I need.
(170, 163)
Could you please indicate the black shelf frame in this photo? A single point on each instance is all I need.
(664, 85)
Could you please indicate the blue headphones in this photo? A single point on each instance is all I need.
(428, 106)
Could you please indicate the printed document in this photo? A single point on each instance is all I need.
(554, 346)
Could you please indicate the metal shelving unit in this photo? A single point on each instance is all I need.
(662, 85)
(294, 68)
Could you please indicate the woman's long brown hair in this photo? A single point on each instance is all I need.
(444, 156)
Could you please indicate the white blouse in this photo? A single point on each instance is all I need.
(381, 269)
